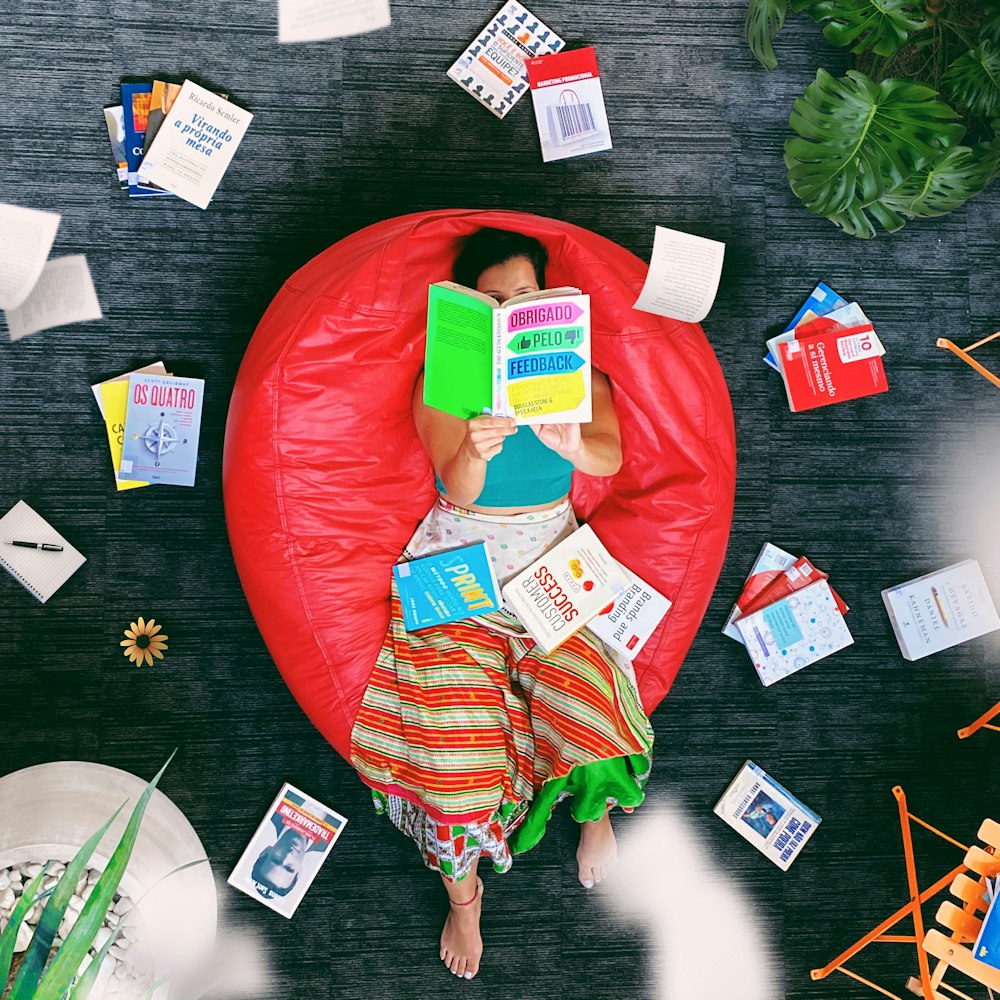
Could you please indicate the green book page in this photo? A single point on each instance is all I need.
(458, 366)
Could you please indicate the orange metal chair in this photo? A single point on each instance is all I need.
(981, 723)
(965, 355)
(950, 952)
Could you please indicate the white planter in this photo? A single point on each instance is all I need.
(49, 811)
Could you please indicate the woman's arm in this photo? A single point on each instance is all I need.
(459, 449)
(594, 448)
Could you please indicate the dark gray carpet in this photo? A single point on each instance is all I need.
(874, 491)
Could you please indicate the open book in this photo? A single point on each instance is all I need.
(528, 358)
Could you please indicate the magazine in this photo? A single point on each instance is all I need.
(767, 814)
(287, 850)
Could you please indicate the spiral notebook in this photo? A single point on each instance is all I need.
(43, 573)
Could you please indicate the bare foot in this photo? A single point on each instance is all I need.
(461, 942)
(597, 854)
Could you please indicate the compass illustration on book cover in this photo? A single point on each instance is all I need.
(161, 439)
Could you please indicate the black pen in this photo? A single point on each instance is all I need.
(44, 546)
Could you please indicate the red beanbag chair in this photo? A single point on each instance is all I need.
(325, 478)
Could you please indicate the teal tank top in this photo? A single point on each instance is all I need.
(524, 474)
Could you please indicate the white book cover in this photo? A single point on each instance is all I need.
(562, 591)
(492, 68)
(195, 144)
(287, 851)
(941, 609)
(683, 276)
(44, 560)
(769, 563)
(628, 624)
(569, 104)
(790, 634)
(767, 815)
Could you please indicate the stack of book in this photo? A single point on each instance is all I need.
(829, 353)
(574, 584)
(153, 422)
(173, 140)
(787, 615)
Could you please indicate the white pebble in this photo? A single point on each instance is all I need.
(4, 879)
(92, 876)
(101, 937)
(49, 881)
(6, 898)
(34, 914)
(130, 932)
(116, 952)
(24, 935)
(122, 906)
(31, 870)
(76, 903)
(121, 971)
(57, 868)
(86, 891)
(16, 877)
(114, 985)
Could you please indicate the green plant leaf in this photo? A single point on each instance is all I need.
(81, 990)
(64, 966)
(45, 932)
(858, 139)
(881, 25)
(764, 21)
(989, 30)
(972, 81)
(948, 183)
(9, 936)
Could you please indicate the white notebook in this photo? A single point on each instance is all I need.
(43, 573)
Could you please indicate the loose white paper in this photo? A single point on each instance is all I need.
(683, 276)
(63, 294)
(195, 144)
(317, 20)
(26, 236)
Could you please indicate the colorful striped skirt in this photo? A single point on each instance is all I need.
(468, 737)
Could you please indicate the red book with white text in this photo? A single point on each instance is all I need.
(795, 577)
(826, 363)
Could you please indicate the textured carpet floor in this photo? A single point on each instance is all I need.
(348, 133)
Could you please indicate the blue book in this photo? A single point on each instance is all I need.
(135, 109)
(446, 587)
(822, 301)
(162, 424)
(987, 946)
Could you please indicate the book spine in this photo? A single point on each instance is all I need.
(903, 647)
(499, 366)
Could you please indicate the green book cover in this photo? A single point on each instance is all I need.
(459, 362)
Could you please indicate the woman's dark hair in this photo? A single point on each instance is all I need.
(490, 247)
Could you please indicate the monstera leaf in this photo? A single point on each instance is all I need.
(989, 30)
(972, 81)
(881, 25)
(858, 140)
(764, 21)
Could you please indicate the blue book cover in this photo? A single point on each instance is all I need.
(987, 946)
(162, 424)
(135, 108)
(446, 587)
(822, 301)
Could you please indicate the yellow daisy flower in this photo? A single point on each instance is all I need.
(144, 640)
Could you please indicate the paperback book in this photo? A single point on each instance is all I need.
(195, 145)
(446, 587)
(987, 944)
(822, 301)
(770, 561)
(569, 104)
(824, 362)
(790, 634)
(627, 625)
(162, 426)
(528, 358)
(767, 815)
(941, 609)
(492, 68)
(136, 99)
(287, 850)
(114, 118)
(563, 590)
